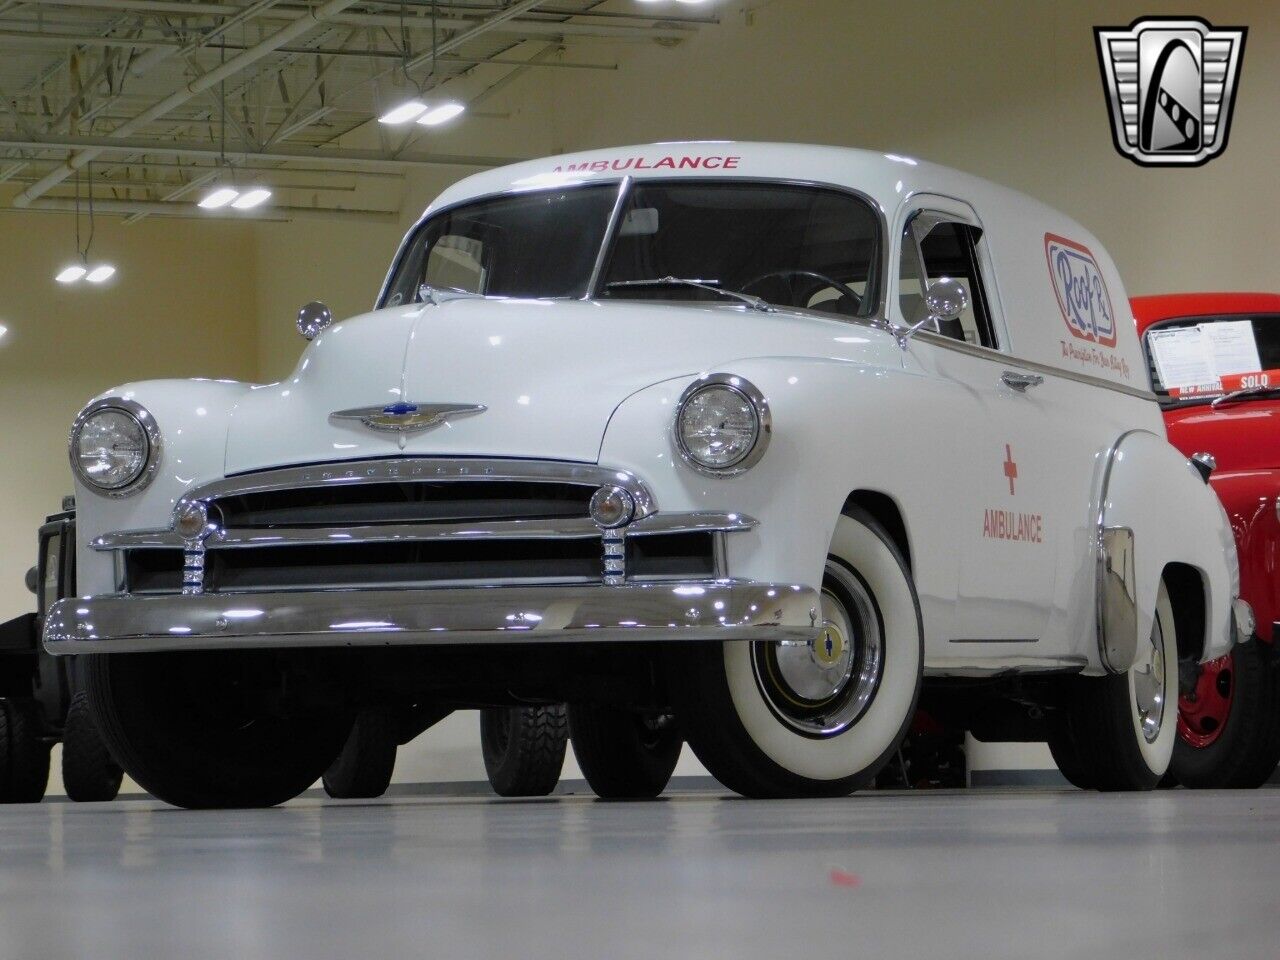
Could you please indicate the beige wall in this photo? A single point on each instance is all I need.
(180, 305)
(1009, 90)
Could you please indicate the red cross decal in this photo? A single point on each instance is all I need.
(1010, 468)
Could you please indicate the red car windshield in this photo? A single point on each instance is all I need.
(1200, 359)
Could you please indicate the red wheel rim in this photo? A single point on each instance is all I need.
(1202, 716)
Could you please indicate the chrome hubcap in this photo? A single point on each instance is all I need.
(822, 686)
(1148, 686)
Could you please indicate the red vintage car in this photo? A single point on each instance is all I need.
(1215, 365)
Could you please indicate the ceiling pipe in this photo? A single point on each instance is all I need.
(336, 159)
(664, 30)
(193, 89)
(126, 208)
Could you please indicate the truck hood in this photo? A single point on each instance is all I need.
(1241, 436)
(550, 375)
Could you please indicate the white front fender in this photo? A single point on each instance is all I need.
(192, 416)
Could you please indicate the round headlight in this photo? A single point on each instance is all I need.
(722, 425)
(114, 445)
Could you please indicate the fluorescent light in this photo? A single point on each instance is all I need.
(403, 113)
(3, 330)
(441, 114)
(71, 274)
(251, 198)
(219, 197)
(100, 273)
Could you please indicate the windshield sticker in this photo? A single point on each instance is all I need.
(1209, 358)
(1232, 346)
(623, 164)
(1182, 357)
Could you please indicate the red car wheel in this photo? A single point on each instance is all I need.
(1202, 715)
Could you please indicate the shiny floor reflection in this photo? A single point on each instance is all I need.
(977, 874)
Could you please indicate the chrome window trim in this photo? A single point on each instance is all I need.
(562, 529)
(998, 356)
(155, 445)
(606, 244)
(877, 209)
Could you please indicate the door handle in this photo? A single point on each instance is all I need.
(1021, 382)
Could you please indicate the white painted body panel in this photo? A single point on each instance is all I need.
(928, 425)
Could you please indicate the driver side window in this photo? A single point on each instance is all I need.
(934, 247)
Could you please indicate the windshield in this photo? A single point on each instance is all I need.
(533, 245)
(786, 245)
(1207, 358)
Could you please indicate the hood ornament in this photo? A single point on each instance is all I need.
(407, 417)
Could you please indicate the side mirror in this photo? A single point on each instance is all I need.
(313, 318)
(946, 299)
(33, 580)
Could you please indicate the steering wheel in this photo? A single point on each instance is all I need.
(789, 275)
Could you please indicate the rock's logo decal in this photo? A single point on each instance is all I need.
(1171, 86)
(1081, 290)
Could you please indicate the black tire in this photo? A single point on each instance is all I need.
(524, 748)
(363, 768)
(184, 727)
(1098, 740)
(623, 754)
(1246, 752)
(1062, 745)
(733, 712)
(24, 754)
(89, 772)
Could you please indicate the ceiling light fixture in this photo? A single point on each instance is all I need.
(251, 198)
(441, 113)
(84, 270)
(405, 112)
(3, 330)
(218, 197)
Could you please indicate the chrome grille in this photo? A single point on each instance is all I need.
(420, 523)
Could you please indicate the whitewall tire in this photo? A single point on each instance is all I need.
(775, 719)
(1118, 732)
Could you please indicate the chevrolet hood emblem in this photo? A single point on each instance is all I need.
(407, 417)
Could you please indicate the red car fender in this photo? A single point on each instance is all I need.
(1250, 501)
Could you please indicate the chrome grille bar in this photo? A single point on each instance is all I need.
(561, 529)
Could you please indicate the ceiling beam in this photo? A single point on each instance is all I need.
(193, 89)
(662, 29)
(127, 208)
(328, 158)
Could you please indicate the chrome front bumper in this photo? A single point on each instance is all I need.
(659, 611)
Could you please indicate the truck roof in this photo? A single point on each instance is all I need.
(1062, 299)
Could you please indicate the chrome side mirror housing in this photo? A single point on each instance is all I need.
(313, 318)
(946, 299)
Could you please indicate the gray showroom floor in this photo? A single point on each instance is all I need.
(978, 874)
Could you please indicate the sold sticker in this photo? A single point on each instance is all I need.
(1229, 383)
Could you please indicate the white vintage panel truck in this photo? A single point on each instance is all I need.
(728, 443)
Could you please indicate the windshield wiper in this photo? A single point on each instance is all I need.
(1236, 395)
(711, 286)
(438, 295)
